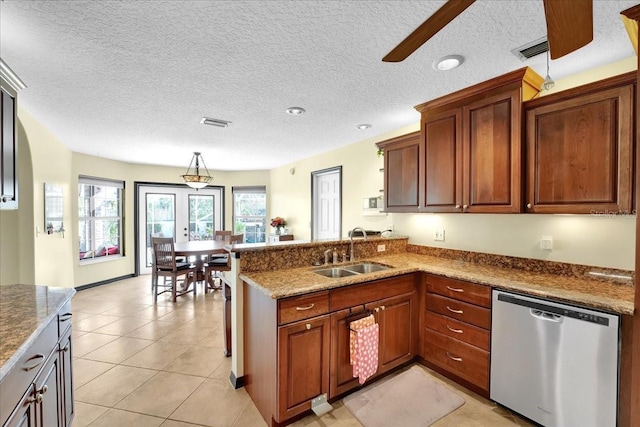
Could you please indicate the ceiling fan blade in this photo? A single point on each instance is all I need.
(569, 25)
(428, 29)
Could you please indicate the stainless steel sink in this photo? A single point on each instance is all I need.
(366, 267)
(351, 270)
(335, 272)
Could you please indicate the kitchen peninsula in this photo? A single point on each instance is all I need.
(274, 283)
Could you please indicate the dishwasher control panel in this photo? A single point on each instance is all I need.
(587, 316)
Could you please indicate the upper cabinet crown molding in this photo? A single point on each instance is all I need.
(526, 77)
(10, 77)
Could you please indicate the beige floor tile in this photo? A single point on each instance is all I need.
(123, 326)
(172, 423)
(87, 413)
(199, 410)
(117, 418)
(223, 370)
(154, 330)
(197, 360)
(154, 312)
(90, 342)
(80, 315)
(126, 309)
(114, 385)
(162, 394)
(157, 355)
(189, 334)
(118, 350)
(250, 417)
(85, 370)
(94, 322)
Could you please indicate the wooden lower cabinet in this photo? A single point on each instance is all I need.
(303, 364)
(297, 348)
(457, 330)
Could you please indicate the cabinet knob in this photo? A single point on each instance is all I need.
(457, 206)
(308, 325)
(377, 309)
(529, 205)
(465, 206)
(38, 398)
(44, 389)
(3, 199)
(382, 307)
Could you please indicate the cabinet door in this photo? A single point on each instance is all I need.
(398, 320)
(49, 408)
(8, 152)
(492, 154)
(442, 162)
(401, 171)
(24, 415)
(66, 379)
(303, 364)
(580, 154)
(342, 379)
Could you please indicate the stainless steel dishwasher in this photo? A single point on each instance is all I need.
(553, 363)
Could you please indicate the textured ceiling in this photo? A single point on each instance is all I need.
(130, 80)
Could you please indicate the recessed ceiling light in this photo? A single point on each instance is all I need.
(364, 126)
(448, 62)
(214, 122)
(295, 111)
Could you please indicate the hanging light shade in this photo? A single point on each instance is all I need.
(196, 180)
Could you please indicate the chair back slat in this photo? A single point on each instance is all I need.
(223, 235)
(236, 238)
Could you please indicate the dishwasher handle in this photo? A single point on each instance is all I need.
(544, 315)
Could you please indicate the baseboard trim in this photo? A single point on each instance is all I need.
(236, 382)
(103, 282)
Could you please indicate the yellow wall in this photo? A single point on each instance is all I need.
(579, 239)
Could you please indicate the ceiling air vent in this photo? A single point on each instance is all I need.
(531, 49)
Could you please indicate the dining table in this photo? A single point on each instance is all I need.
(199, 249)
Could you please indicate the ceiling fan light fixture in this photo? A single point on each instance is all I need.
(364, 126)
(449, 62)
(214, 122)
(295, 111)
(195, 180)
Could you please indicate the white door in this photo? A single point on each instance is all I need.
(179, 212)
(327, 203)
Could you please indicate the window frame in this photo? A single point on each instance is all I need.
(92, 219)
(256, 189)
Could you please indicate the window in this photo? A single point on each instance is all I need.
(250, 213)
(99, 218)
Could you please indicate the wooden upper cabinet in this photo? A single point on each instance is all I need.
(401, 172)
(442, 154)
(472, 146)
(580, 149)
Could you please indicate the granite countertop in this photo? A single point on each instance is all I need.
(25, 310)
(265, 246)
(598, 294)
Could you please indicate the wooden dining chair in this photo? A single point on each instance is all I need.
(165, 265)
(221, 263)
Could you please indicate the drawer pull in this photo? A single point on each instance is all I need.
(39, 358)
(457, 331)
(455, 289)
(309, 307)
(455, 311)
(457, 359)
(65, 317)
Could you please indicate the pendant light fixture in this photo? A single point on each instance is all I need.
(196, 180)
(548, 82)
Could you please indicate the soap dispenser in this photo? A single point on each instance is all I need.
(335, 256)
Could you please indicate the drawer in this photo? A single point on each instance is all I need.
(64, 318)
(462, 331)
(464, 360)
(302, 307)
(462, 311)
(460, 290)
(16, 381)
(353, 295)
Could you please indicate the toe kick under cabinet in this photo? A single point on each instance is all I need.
(297, 348)
(457, 330)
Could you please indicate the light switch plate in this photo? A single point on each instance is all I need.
(439, 236)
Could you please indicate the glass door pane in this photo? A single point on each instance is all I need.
(160, 219)
(201, 217)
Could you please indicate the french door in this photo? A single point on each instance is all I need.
(179, 212)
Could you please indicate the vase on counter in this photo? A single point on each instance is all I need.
(278, 230)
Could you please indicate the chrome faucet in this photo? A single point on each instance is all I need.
(364, 233)
(326, 256)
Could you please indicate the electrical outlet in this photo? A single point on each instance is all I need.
(546, 243)
(382, 248)
(439, 236)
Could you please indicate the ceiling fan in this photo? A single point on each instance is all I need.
(569, 27)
